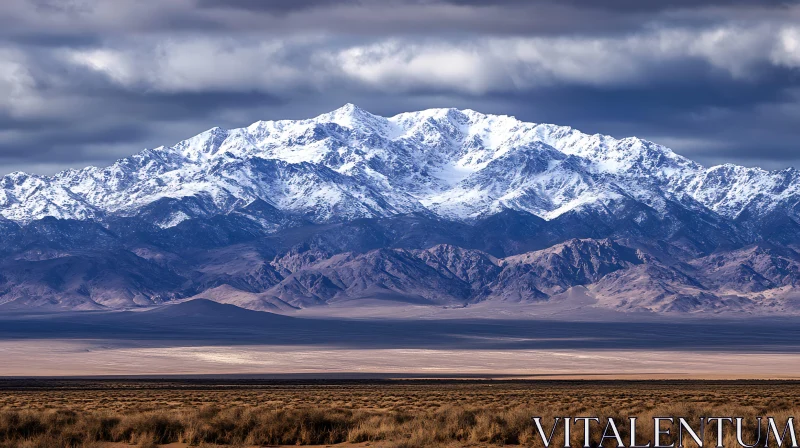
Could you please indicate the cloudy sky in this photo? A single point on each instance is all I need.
(88, 81)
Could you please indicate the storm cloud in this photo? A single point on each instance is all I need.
(86, 81)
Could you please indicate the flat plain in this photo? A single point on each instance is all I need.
(207, 374)
(203, 337)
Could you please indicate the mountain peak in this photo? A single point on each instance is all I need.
(351, 116)
(350, 108)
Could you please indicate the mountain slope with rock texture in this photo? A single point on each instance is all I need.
(441, 207)
(350, 164)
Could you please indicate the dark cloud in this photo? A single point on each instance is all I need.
(273, 6)
(620, 6)
(46, 21)
(62, 144)
(523, 17)
(628, 6)
(119, 123)
(717, 79)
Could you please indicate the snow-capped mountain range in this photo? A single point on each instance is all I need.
(350, 164)
(442, 207)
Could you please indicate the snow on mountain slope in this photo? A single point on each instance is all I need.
(349, 163)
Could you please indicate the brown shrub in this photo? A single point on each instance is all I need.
(401, 415)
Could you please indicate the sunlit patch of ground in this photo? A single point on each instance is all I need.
(92, 358)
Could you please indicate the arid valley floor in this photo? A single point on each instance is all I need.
(206, 338)
(407, 413)
(206, 374)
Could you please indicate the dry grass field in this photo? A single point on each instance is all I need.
(403, 413)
